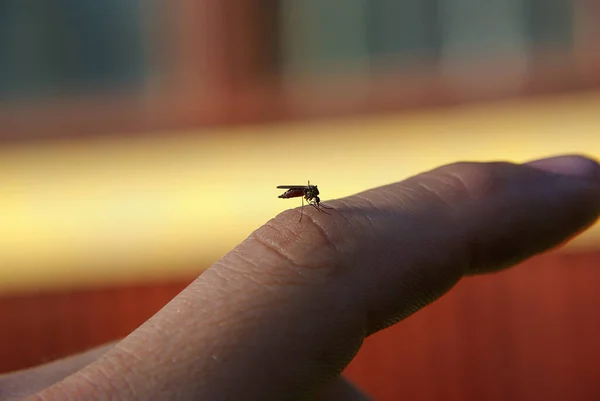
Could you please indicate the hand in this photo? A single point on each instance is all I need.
(281, 315)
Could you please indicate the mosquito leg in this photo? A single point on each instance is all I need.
(301, 210)
(320, 209)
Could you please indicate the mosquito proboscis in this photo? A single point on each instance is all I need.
(308, 192)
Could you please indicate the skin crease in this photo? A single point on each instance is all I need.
(281, 315)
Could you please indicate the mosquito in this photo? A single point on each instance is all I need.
(308, 192)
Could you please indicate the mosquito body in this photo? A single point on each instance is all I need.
(308, 192)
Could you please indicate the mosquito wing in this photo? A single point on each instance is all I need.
(292, 187)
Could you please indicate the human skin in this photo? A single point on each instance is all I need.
(281, 315)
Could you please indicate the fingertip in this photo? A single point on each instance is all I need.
(569, 165)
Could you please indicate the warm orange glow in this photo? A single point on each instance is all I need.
(125, 209)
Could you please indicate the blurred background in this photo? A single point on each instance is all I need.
(141, 140)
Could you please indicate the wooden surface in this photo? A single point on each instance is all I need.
(527, 333)
(530, 333)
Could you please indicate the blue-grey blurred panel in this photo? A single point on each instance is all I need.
(475, 29)
(323, 36)
(98, 42)
(482, 36)
(551, 23)
(24, 47)
(404, 29)
(53, 47)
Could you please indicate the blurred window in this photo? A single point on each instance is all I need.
(321, 36)
(57, 47)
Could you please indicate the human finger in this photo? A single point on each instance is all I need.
(286, 310)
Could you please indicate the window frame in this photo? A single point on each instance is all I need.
(225, 58)
(194, 89)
